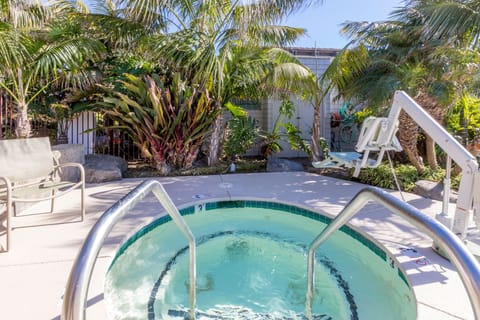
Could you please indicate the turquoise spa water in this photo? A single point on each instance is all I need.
(252, 264)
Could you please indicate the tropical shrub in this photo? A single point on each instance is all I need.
(166, 118)
(406, 174)
(295, 140)
(284, 130)
(240, 136)
(363, 114)
(463, 119)
(382, 176)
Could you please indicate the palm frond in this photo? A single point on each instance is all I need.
(68, 54)
(274, 35)
(449, 19)
(273, 11)
(14, 47)
(25, 15)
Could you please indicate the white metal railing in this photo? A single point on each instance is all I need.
(467, 266)
(75, 297)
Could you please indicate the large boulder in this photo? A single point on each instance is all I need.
(281, 165)
(103, 168)
(70, 153)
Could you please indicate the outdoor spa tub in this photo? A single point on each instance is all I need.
(252, 264)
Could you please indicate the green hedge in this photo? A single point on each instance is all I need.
(407, 175)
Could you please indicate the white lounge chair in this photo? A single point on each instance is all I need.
(29, 167)
(377, 135)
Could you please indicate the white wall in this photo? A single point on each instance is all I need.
(303, 117)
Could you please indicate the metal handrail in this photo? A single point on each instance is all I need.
(75, 298)
(467, 266)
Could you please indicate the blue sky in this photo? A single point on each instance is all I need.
(323, 21)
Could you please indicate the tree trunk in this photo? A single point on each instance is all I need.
(161, 165)
(436, 111)
(316, 153)
(163, 168)
(215, 140)
(23, 129)
(431, 153)
(408, 135)
(190, 158)
(474, 149)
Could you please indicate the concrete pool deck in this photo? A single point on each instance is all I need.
(33, 274)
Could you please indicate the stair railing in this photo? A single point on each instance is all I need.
(467, 266)
(75, 297)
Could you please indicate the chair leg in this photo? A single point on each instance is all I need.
(14, 206)
(82, 202)
(10, 205)
(52, 203)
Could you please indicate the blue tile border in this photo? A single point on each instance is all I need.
(230, 204)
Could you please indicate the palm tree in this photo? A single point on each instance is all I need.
(313, 91)
(223, 47)
(459, 21)
(220, 45)
(39, 45)
(452, 65)
(395, 55)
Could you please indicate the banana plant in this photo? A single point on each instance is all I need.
(166, 118)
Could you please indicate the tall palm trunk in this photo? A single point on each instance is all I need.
(316, 153)
(474, 147)
(431, 152)
(434, 109)
(215, 140)
(408, 136)
(408, 132)
(23, 127)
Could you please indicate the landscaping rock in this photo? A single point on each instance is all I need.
(103, 168)
(70, 153)
(432, 190)
(282, 165)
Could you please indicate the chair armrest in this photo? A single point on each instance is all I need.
(56, 157)
(72, 164)
(6, 184)
(5, 180)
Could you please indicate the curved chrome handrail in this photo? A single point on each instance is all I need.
(467, 266)
(75, 298)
